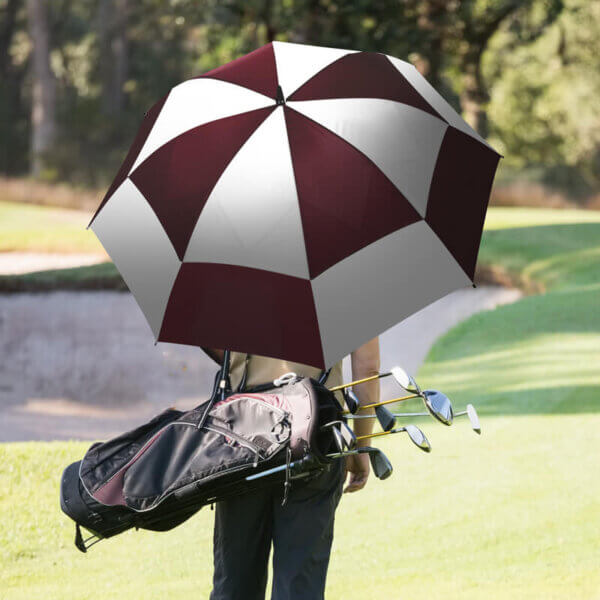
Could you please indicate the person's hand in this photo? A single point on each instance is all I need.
(358, 466)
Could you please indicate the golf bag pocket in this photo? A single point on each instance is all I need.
(183, 454)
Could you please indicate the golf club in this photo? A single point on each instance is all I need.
(473, 418)
(382, 468)
(439, 406)
(337, 437)
(470, 411)
(405, 380)
(414, 433)
(380, 463)
(351, 400)
(383, 403)
(346, 435)
(399, 374)
(385, 417)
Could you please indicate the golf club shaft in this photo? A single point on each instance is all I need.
(358, 381)
(295, 463)
(360, 438)
(397, 415)
(384, 402)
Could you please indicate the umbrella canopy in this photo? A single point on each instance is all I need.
(296, 202)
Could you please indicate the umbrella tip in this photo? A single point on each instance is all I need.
(279, 99)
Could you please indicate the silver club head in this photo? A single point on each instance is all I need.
(439, 406)
(405, 380)
(348, 436)
(343, 436)
(380, 463)
(351, 401)
(385, 417)
(337, 437)
(474, 418)
(418, 437)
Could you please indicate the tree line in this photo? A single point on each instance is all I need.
(77, 75)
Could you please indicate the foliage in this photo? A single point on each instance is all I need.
(526, 71)
(544, 102)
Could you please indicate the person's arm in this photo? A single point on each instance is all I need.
(365, 363)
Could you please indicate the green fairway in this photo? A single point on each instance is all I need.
(31, 228)
(511, 515)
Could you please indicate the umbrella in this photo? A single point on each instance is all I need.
(296, 202)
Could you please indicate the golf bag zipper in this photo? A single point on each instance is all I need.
(252, 397)
(238, 438)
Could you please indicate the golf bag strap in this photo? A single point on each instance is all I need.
(269, 385)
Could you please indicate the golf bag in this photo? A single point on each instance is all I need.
(161, 473)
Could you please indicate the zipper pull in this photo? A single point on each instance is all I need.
(256, 457)
(285, 379)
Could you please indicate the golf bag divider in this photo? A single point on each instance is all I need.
(159, 474)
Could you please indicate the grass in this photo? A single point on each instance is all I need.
(507, 515)
(541, 354)
(512, 515)
(32, 228)
(103, 276)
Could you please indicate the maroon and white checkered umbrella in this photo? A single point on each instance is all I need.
(296, 202)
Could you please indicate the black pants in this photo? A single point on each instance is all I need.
(301, 533)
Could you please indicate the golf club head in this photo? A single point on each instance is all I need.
(381, 465)
(351, 401)
(385, 417)
(439, 406)
(418, 438)
(474, 418)
(405, 380)
(337, 437)
(348, 436)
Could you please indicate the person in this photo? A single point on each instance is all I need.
(301, 531)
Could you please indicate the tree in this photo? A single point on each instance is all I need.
(114, 56)
(43, 100)
(455, 34)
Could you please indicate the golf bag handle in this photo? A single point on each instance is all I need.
(221, 386)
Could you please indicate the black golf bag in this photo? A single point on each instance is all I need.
(161, 473)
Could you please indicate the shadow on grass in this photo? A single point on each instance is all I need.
(555, 255)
